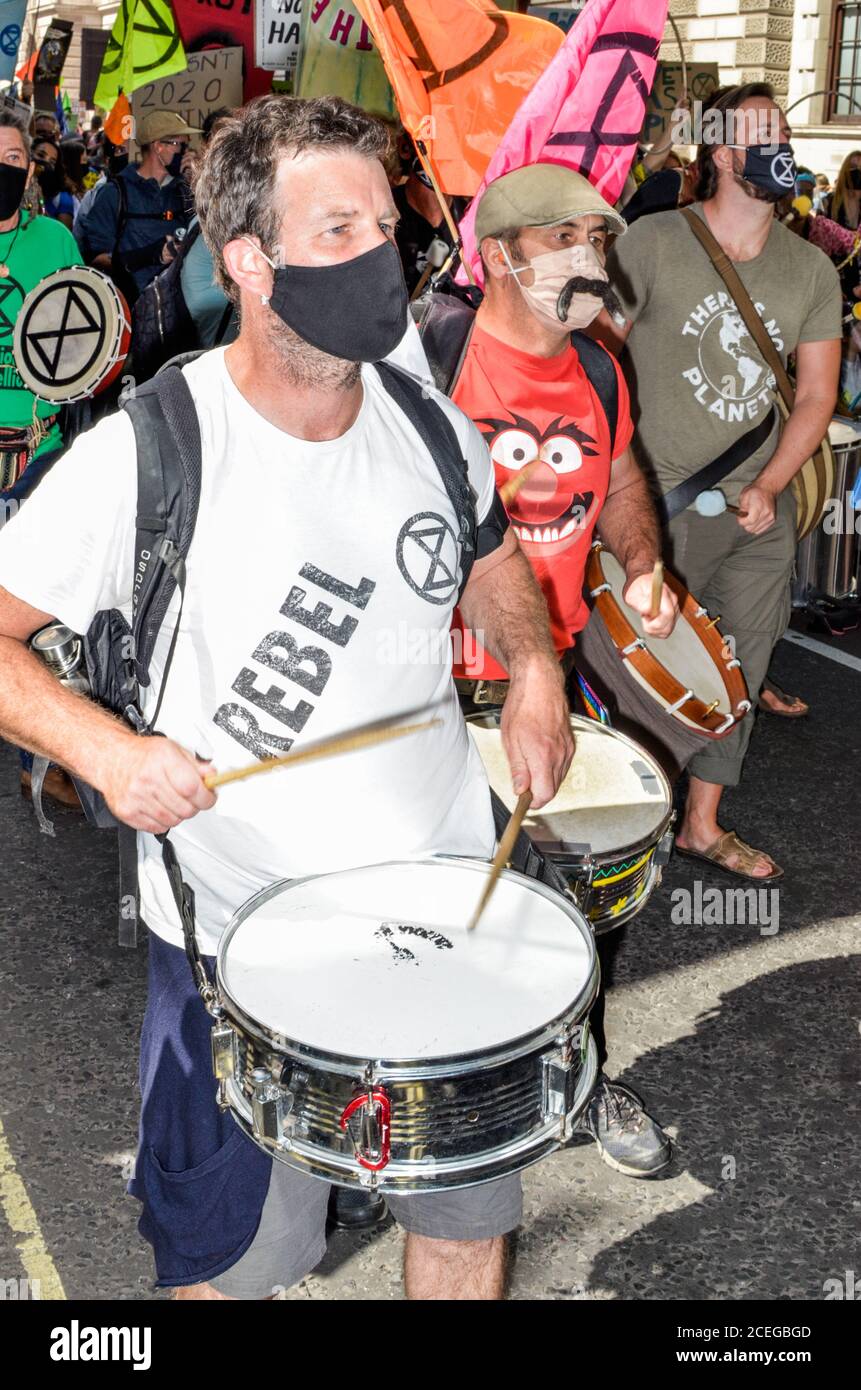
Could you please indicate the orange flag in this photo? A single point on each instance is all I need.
(460, 69)
(119, 124)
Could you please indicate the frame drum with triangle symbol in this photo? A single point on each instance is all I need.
(72, 335)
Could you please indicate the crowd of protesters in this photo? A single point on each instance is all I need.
(634, 272)
(133, 218)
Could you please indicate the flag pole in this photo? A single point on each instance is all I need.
(446, 210)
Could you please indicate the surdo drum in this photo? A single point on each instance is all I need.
(72, 335)
(607, 829)
(693, 675)
(362, 1035)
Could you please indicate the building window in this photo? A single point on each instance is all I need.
(843, 102)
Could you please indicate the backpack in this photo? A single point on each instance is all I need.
(162, 327)
(118, 654)
(445, 322)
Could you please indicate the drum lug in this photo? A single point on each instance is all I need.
(369, 1120)
(559, 1078)
(223, 1040)
(663, 850)
(270, 1106)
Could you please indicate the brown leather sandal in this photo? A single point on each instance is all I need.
(726, 844)
(796, 708)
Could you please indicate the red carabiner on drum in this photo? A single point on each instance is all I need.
(383, 1118)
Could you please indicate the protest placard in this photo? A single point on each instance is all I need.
(212, 79)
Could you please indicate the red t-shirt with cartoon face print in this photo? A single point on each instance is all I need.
(536, 408)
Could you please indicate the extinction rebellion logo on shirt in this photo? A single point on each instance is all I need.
(727, 375)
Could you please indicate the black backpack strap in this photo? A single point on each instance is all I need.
(167, 435)
(438, 435)
(601, 371)
(167, 440)
(445, 325)
(122, 209)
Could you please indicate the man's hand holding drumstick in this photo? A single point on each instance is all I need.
(654, 600)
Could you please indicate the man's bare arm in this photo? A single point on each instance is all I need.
(503, 604)
(818, 374)
(628, 525)
(149, 783)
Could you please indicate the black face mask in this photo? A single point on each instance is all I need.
(356, 310)
(174, 168)
(770, 169)
(855, 179)
(13, 181)
(117, 162)
(50, 180)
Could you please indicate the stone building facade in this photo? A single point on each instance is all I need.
(787, 43)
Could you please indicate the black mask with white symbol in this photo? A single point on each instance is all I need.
(771, 169)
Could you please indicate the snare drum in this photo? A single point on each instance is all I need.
(607, 829)
(362, 1035)
(693, 675)
(72, 335)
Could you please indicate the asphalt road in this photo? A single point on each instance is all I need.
(745, 1044)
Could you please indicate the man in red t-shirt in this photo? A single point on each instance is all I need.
(540, 229)
(542, 232)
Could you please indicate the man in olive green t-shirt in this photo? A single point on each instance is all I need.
(699, 383)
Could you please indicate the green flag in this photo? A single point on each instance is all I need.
(144, 46)
(67, 105)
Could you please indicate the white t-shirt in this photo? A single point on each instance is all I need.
(321, 581)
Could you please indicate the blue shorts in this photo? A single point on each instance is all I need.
(216, 1208)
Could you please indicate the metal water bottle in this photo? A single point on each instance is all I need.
(62, 651)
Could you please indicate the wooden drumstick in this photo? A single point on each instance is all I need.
(323, 748)
(503, 854)
(509, 490)
(657, 586)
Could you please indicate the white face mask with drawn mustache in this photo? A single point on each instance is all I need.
(553, 270)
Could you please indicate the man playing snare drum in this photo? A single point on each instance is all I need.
(543, 404)
(307, 557)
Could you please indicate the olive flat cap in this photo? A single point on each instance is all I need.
(540, 195)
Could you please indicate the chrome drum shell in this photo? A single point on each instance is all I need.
(455, 1121)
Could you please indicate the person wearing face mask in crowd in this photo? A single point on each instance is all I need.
(114, 159)
(58, 198)
(703, 388)
(129, 229)
(843, 206)
(534, 393)
(31, 247)
(422, 227)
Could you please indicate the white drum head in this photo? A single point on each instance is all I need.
(615, 794)
(377, 962)
(844, 434)
(68, 333)
(682, 653)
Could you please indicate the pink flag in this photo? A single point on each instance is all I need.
(587, 108)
